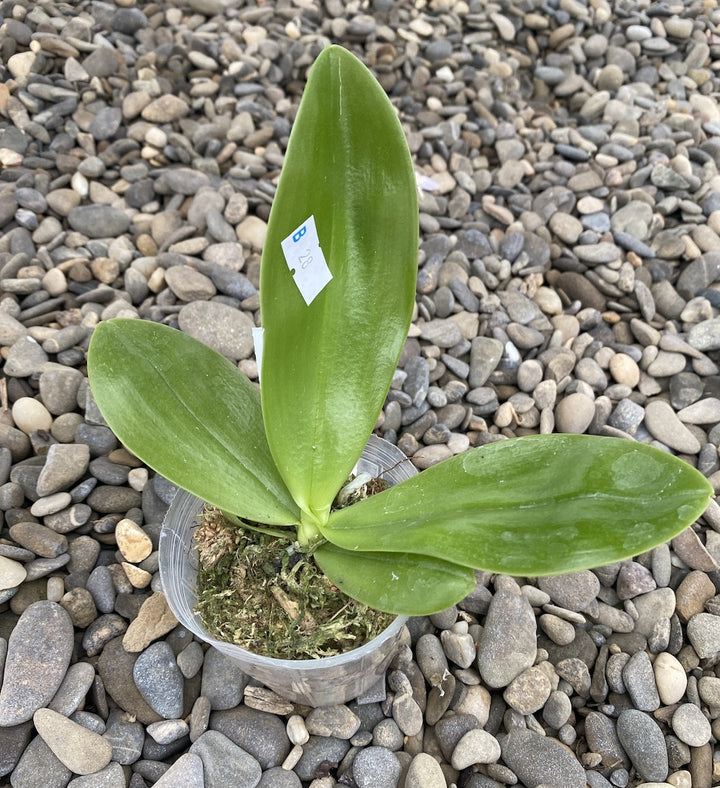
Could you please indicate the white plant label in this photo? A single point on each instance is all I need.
(257, 336)
(306, 261)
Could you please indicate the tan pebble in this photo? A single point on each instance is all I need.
(137, 478)
(9, 157)
(138, 577)
(105, 270)
(154, 620)
(680, 779)
(557, 629)
(165, 109)
(548, 300)
(424, 767)
(55, 588)
(292, 758)
(54, 282)
(693, 592)
(134, 544)
(670, 678)
(574, 413)
(80, 749)
(476, 701)
(252, 231)
(528, 692)
(30, 414)
(624, 370)
(430, 455)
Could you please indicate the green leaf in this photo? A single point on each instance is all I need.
(327, 367)
(189, 414)
(401, 583)
(535, 505)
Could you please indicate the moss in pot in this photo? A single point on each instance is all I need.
(337, 292)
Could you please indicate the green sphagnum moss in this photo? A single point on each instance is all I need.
(259, 592)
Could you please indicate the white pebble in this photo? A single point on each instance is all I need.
(670, 678)
(476, 746)
(296, 730)
(30, 414)
(12, 573)
(137, 478)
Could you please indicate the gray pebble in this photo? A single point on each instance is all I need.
(485, 354)
(39, 651)
(573, 591)
(24, 358)
(223, 682)
(376, 767)
(190, 659)
(39, 767)
(537, 760)
(431, 659)
(703, 631)
(65, 464)
(100, 585)
(279, 778)
(644, 744)
(507, 643)
(168, 731)
(574, 413)
(634, 579)
(102, 631)
(99, 221)
(639, 680)
(224, 763)
(223, 328)
(691, 726)
(112, 776)
(459, 647)
(450, 730)
(556, 711)
(442, 333)
(602, 738)
(259, 733)
(74, 688)
(126, 737)
(317, 750)
(159, 680)
(664, 425)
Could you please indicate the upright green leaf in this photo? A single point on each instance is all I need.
(189, 414)
(327, 366)
(537, 505)
(410, 585)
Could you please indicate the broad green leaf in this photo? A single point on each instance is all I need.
(535, 505)
(327, 367)
(410, 585)
(188, 413)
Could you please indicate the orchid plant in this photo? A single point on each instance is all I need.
(337, 290)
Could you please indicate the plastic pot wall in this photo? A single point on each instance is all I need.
(314, 682)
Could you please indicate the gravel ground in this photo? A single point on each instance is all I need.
(567, 155)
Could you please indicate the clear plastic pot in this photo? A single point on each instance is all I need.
(313, 682)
